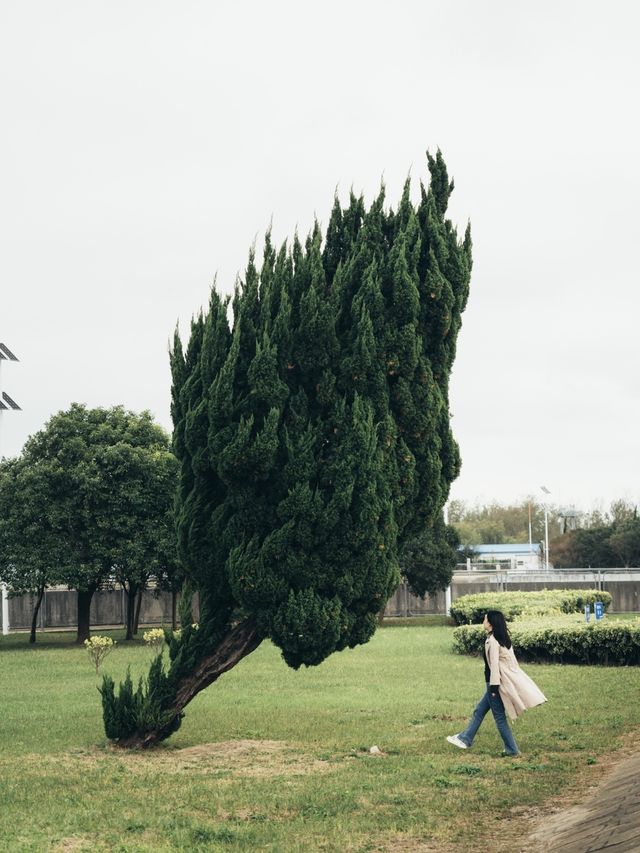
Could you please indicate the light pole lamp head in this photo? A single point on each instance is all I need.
(5, 353)
(12, 403)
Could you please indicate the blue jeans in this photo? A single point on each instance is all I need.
(497, 709)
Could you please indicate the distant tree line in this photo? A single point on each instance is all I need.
(601, 539)
(607, 540)
(497, 523)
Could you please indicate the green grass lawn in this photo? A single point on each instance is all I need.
(272, 759)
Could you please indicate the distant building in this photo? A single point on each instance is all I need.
(511, 556)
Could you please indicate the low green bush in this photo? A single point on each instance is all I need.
(562, 639)
(470, 609)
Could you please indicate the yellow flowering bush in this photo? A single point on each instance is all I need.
(98, 648)
(154, 638)
(177, 634)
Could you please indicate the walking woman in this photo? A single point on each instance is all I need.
(508, 687)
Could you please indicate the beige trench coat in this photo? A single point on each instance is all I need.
(517, 690)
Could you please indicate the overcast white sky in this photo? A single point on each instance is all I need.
(145, 145)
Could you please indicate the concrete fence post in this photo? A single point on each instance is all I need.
(447, 600)
(5, 610)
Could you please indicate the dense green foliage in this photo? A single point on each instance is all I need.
(31, 549)
(314, 435)
(90, 498)
(428, 561)
(313, 431)
(563, 639)
(472, 608)
(137, 709)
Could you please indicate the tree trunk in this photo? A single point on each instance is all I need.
(136, 618)
(84, 618)
(174, 608)
(238, 643)
(34, 620)
(130, 595)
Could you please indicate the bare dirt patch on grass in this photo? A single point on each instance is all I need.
(73, 844)
(254, 758)
(259, 759)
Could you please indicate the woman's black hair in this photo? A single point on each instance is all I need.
(499, 627)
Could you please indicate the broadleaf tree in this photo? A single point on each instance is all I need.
(31, 551)
(142, 527)
(313, 435)
(104, 480)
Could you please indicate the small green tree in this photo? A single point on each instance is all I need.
(625, 541)
(622, 511)
(314, 440)
(428, 561)
(582, 549)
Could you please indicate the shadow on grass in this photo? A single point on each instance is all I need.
(429, 621)
(19, 641)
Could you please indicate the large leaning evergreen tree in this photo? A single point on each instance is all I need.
(314, 440)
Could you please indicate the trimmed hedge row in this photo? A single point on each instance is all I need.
(562, 639)
(470, 609)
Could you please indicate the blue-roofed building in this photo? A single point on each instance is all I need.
(515, 556)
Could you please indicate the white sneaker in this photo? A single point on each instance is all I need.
(455, 740)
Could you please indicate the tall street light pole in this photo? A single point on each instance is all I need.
(546, 529)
